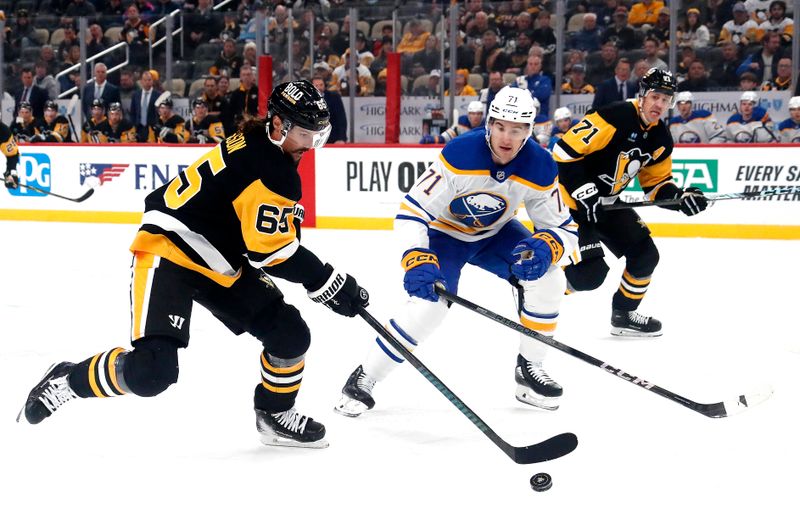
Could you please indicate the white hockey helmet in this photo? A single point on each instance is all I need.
(794, 102)
(475, 106)
(512, 104)
(684, 96)
(749, 96)
(562, 113)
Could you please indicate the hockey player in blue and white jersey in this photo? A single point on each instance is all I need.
(562, 121)
(694, 126)
(466, 122)
(542, 125)
(751, 124)
(790, 127)
(462, 210)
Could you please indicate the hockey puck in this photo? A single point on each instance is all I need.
(541, 482)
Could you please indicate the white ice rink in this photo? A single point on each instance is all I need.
(730, 314)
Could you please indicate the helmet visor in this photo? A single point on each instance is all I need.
(305, 138)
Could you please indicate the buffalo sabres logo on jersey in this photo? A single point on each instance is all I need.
(478, 210)
(628, 166)
(689, 136)
(743, 136)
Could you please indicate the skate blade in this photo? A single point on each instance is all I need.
(349, 407)
(528, 397)
(276, 440)
(627, 332)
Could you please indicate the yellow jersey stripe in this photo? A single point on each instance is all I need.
(279, 371)
(143, 264)
(274, 389)
(635, 281)
(92, 382)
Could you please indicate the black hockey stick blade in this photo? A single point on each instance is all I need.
(743, 195)
(89, 192)
(712, 410)
(550, 449)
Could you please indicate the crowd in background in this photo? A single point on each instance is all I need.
(722, 45)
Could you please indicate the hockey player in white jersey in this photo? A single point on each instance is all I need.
(694, 126)
(462, 210)
(790, 127)
(751, 124)
(562, 121)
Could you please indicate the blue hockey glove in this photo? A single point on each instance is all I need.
(427, 139)
(536, 254)
(692, 201)
(422, 273)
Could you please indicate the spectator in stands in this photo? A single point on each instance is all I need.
(249, 54)
(617, 88)
(620, 34)
(70, 40)
(691, 32)
(143, 112)
(223, 88)
(790, 127)
(113, 12)
(341, 74)
(162, 8)
(651, 48)
(228, 61)
(462, 88)
(645, 13)
(79, 8)
(230, 27)
(414, 39)
(576, 84)
(71, 79)
(244, 100)
(134, 32)
(640, 69)
(248, 26)
(127, 87)
(48, 56)
(380, 83)
(422, 62)
(96, 42)
(544, 34)
(100, 88)
(363, 53)
(603, 70)
(748, 82)
(660, 31)
(588, 38)
(215, 102)
(146, 8)
(764, 64)
(685, 59)
(540, 85)
(301, 61)
(279, 26)
(778, 23)
(490, 55)
(28, 92)
(758, 10)
(379, 63)
(324, 53)
(741, 29)
(341, 41)
(45, 81)
(487, 94)
(475, 28)
(22, 33)
(783, 80)
(201, 25)
(725, 71)
(697, 79)
(522, 23)
(431, 87)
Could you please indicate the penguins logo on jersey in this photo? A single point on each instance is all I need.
(689, 137)
(478, 210)
(628, 165)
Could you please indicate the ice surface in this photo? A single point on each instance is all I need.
(729, 311)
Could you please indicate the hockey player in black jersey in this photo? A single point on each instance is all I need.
(214, 235)
(9, 148)
(597, 159)
(25, 126)
(119, 129)
(96, 127)
(203, 127)
(169, 127)
(54, 128)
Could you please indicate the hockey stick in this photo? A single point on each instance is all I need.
(550, 449)
(79, 199)
(784, 190)
(76, 137)
(712, 410)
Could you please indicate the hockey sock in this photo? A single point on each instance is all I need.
(631, 291)
(280, 382)
(99, 376)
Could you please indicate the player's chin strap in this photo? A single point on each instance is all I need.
(287, 126)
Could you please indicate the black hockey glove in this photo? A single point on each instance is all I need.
(588, 201)
(10, 179)
(692, 201)
(341, 294)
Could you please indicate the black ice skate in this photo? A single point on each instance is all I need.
(50, 393)
(290, 428)
(534, 386)
(356, 394)
(633, 324)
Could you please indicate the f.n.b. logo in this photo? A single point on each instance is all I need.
(33, 169)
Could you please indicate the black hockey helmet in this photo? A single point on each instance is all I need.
(51, 105)
(97, 102)
(115, 106)
(299, 103)
(199, 101)
(658, 80)
(25, 105)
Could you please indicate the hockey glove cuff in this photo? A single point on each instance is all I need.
(536, 254)
(588, 201)
(692, 201)
(341, 294)
(422, 273)
(10, 179)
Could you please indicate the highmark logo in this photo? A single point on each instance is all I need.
(699, 173)
(33, 169)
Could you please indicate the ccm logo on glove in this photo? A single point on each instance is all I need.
(416, 258)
